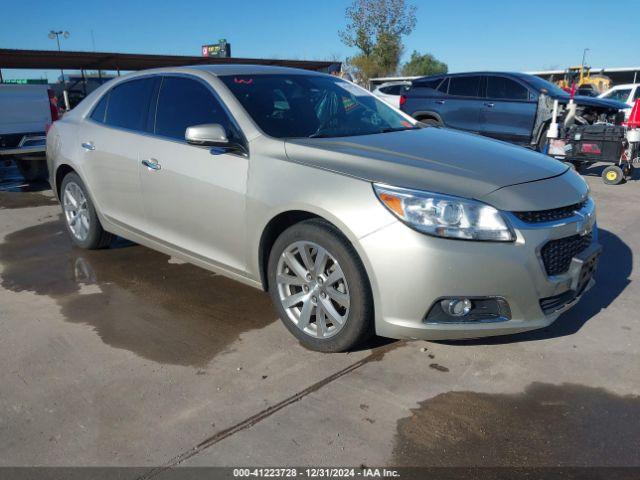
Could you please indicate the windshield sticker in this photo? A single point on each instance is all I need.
(243, 81)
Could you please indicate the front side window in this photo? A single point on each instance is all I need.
(503, 88)
(185, 102)
(287, 106)
(465, 86)
(637, 95)
(128, 105)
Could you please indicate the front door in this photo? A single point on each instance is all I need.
(509, 110)
(194, 199)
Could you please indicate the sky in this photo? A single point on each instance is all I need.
(466, 34)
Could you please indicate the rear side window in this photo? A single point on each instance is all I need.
(100, 110)
(637, 95)
(465, 86)
(129, 104)
(444, 86)
(428, 83)
(506, 89)
(184, 102)
(392, 89)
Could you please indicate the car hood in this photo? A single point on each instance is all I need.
(433, 159)
(599, 102)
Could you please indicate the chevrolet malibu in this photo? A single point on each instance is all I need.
(353, 216)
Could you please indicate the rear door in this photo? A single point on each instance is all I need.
(194, 196)
(460, 107)
(509, 110)
(109, 143)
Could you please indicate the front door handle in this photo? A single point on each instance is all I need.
(151, 164)
(490, 105)
(440, 102)
(88, 146)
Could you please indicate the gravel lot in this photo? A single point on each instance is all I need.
(127, 357)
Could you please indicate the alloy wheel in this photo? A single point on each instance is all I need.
(76, 211)
(313, 289)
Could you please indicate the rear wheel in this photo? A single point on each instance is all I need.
(612, 175)
(430, 121)
(80, 215)
(320, 288)
(33, 170)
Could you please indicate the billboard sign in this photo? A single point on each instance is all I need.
(222, 49)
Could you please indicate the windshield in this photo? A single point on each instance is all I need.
(539, 83)
(620, 95)
(286, 106)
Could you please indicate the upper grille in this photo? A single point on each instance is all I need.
(557, 254)
(552, 215)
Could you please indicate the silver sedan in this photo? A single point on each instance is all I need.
(354, 217)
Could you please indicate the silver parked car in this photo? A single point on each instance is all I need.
(351, 215)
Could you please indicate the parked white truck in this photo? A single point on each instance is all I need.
(26, 113)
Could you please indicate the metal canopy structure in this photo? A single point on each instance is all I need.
(50, 59)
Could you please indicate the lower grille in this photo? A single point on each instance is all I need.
(551, 304)
(557, 254)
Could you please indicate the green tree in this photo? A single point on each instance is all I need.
(422, 65)
(375, 28)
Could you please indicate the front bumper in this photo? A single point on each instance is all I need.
(409, 271)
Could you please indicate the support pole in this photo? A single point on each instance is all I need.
(84, 83)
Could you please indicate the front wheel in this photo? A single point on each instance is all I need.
(80, 215)
(320, 288)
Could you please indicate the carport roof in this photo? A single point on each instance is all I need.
(51, 59)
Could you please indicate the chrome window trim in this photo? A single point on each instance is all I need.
(87, 116)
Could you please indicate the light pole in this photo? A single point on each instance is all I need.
(584, 55)
(56, 34)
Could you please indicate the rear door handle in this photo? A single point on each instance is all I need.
(151, 164)
(88, 146)
(440, 102)
(490, 105)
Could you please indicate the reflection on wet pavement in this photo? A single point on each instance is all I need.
(133, 297)
(546, 425)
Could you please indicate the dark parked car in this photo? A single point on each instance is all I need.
(507, 106)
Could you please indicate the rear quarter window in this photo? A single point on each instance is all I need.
(100, 109)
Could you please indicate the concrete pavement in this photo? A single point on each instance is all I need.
(126, 357)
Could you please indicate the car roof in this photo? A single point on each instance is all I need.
(245, 69)
(520, 75)
(624, 85)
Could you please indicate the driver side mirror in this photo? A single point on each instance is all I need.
(212, 135)
(208, 134)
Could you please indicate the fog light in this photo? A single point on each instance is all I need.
(457, 307)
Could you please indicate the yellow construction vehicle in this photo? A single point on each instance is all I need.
(581, 77)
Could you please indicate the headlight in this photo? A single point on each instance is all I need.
(444, 215)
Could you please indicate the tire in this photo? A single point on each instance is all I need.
(612, 175)
(33, 170)
(93, 235)
(356, 324)
(432, 122)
